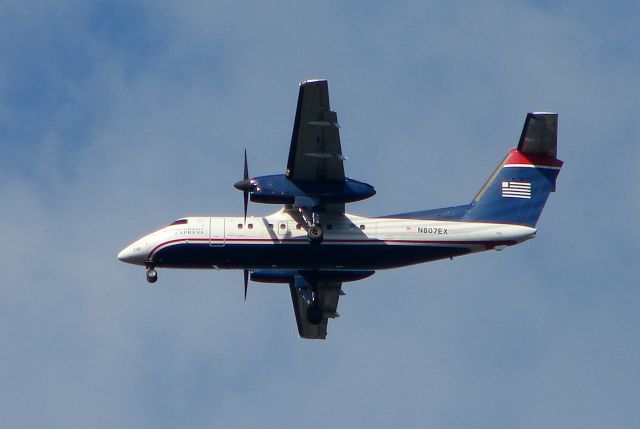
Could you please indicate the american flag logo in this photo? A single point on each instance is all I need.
(516, 190)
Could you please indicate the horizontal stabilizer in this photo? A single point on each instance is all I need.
(540, 134)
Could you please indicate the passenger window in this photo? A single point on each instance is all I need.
(250, 226)
(283, 226)
(298, 226)
(362, 227)
(239, 226)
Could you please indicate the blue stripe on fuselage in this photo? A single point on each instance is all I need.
(295, 256)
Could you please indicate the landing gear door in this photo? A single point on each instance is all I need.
(217, 231)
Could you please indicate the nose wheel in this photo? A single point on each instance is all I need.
(152, 275)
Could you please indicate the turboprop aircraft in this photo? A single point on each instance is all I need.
(314, 246)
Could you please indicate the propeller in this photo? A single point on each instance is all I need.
(246, 284)
(245, 185)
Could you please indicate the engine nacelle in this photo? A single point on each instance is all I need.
(287, 276)
(279, 189)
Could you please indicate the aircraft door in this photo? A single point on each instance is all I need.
(217, 231)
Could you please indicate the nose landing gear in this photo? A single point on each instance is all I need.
(152, 275)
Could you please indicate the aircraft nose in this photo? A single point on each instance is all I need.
(132, 255)
(124, 255)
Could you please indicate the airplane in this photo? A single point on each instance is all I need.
(314, 246)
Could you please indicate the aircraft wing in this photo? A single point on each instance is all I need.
(315, 153)
(328, 294)
(314, 294)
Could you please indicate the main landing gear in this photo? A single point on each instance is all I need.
(314, 233)
(152, 275)
(314, 230)
(314, 311)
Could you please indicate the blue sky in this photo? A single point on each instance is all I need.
(118, 117)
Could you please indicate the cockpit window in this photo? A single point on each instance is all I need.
(179, 222)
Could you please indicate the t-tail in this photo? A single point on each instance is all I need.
(518, 190)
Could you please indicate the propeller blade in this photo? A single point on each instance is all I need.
(245, 177)
(246, 204)
(246, 166)
(246, 283)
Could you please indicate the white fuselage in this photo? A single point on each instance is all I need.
(350, 241)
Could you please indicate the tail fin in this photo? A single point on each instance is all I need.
(518, 190)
